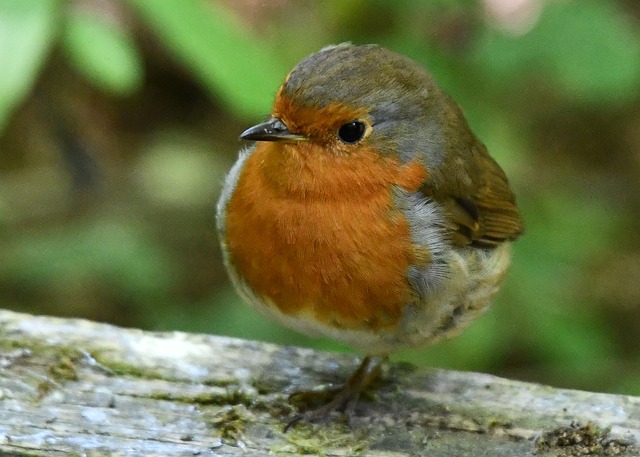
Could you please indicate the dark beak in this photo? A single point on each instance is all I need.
(272, 130)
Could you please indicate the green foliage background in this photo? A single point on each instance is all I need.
(119, 119)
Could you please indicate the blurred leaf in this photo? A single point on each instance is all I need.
(117, 254)
(178, 170)
(587, 48)
(573, 229)
(504, 58)
(219, 50)
(26, 33)
(563, 232)
(628, 382)
(592, 48)
(102, 52)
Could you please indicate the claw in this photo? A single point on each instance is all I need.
(343, 400)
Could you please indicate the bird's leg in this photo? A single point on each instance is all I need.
(346, 398)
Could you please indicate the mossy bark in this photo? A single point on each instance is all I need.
(73, 387)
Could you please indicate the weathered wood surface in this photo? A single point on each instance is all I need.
(73, 387)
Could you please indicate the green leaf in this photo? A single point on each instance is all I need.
(593, 50)
(587, 49)
(103, 53)
(26, 34)
(220, 51)
(114, 253)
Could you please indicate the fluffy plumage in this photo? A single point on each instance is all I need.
(396, 240)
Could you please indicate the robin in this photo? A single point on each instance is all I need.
(367, 211)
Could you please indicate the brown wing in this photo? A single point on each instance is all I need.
(478, 202)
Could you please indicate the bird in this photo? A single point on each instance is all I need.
(366, 210)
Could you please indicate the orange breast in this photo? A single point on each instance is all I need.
(319, 236)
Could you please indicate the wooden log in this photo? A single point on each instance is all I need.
(74, 387)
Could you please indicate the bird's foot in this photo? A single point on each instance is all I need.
(343, 400)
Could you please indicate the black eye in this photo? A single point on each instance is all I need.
(352, 132)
